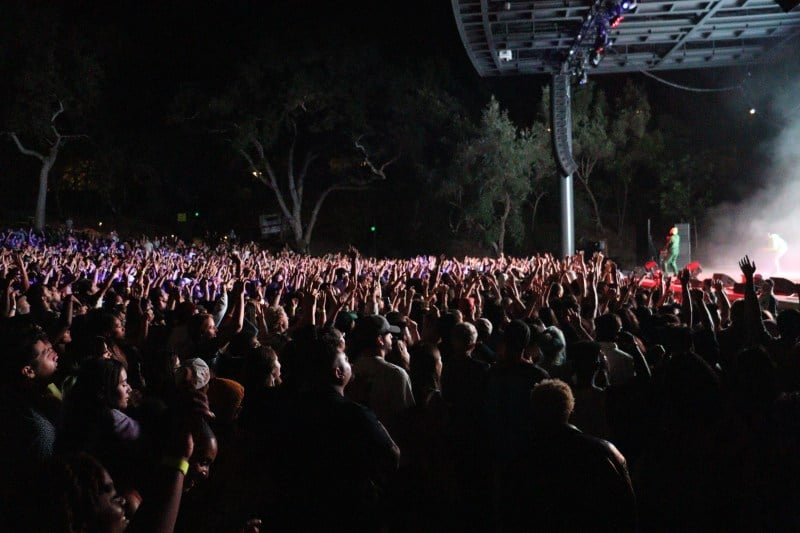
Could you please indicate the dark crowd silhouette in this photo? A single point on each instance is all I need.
(153, 384)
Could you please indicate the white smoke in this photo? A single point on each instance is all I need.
(773, 207)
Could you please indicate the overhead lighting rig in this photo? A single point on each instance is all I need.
(603, 16)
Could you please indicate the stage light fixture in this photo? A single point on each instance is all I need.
(505, 55)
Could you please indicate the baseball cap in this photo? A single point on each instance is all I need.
(373, 326)
(195, 372)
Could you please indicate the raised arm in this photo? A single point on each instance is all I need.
(686, 297)
(23, 272)
(752, 310)
(723, 302)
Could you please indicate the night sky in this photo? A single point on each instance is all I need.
(150, 52)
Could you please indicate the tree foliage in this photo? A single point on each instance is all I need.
(303, 126)
(492, 177)
(606, 137)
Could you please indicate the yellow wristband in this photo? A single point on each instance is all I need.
(181, 464)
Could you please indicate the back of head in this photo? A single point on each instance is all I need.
(275, 317)
(789, 324)
(184, 311)
(259, 364)
(493, 311)
(69, 488)
(447, 322)
(516, 337)
(225, 399)
(585, 356)
(756, 380)
(484, 328)
(345, 322)
(552, 403)
(195, 326)
(677, 338)
(425, 368)
(242, 342)
(737, 312)
(464, 336)
(195, 372)
(607, 327)
(552, 344)
(629, 320)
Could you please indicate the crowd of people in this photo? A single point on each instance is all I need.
(160, 385)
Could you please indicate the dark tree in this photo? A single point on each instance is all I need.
(493, 177)
(305, 127)
(54, 77)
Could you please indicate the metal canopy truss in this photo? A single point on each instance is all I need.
(655, 35)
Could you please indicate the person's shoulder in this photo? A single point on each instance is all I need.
(597, 446)
(355, 410)
(530, 370)
(477, 364)
(393, 368)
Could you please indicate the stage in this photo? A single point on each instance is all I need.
(787, 284)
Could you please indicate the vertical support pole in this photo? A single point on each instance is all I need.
(561, 127)
(567, 217)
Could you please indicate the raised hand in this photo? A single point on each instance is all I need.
(684, 277)
(748, 267)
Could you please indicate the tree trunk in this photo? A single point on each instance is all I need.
(41, 197)
(536, 209)
(595, 206)
(501, 239)
(297, 233)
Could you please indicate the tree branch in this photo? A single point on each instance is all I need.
(321, 200)
(268, 180)
(257, 173)
(377, 171)
(290, 169)
(74, 136)
(58, 112)
(26, 151)
(310, 157)
(262, 155)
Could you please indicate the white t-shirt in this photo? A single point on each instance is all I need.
(383, 386)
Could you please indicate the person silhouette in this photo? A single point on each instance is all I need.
(670, 252)
(779, 247)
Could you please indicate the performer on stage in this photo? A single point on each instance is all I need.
(669, 253)
(779, 247)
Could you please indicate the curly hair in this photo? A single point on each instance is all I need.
(552, 402)
(70, 489)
